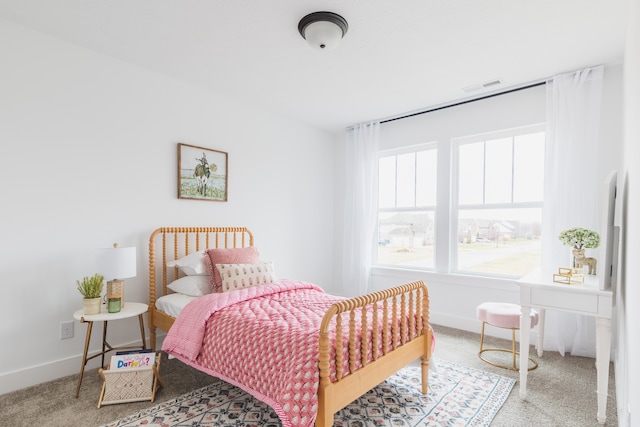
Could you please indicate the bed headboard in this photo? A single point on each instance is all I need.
(169, 243)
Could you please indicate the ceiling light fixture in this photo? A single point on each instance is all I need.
(323, 30)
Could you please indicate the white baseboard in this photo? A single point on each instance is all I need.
(37, 374)
(26, 377)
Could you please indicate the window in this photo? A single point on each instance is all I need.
(498, 208)
(407, 200)
(494, 212)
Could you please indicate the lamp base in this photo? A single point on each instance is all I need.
(115, 289)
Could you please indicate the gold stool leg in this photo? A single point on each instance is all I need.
(513, 347)
(514, 353)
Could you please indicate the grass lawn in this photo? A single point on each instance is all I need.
(510, 258)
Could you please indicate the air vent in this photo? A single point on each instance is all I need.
(484, 85)
(491, 83)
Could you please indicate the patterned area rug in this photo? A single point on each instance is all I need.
(458, 396)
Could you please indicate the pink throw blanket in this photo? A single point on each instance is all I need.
(265, 341)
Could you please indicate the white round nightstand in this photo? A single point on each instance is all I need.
(131, 309)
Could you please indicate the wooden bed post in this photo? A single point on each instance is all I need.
(325, 415)
(152, 291)
(426, 331)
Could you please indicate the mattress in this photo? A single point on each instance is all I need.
(173, 304)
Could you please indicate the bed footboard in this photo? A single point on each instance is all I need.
(399, 321)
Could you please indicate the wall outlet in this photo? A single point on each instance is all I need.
(66, 330)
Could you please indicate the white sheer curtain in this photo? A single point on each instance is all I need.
(361, 205)
(572, 189)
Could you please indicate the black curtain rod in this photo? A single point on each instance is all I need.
(463, 102)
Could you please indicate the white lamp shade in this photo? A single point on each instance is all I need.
(116, 263)
(323, 35)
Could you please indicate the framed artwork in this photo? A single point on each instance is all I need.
(202, 173)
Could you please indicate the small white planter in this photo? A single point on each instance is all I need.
(91, 305)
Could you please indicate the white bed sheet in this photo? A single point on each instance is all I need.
(173, 304)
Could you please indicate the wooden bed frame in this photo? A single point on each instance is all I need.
(410, 337)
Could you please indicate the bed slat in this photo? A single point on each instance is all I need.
(408, 342)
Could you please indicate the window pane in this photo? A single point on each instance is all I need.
(528, 179)
(498, 171)
(426, 175)
(387, 182)
(470, 173)
(406, 191)
(406, 239)
(504, 242)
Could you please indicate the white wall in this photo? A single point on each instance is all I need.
(628, 386)
(89, 157)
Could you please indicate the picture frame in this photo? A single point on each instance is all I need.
(202, 173)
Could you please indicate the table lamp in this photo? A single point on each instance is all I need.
(116, 264)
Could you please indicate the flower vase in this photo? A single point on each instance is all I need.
(573, 257)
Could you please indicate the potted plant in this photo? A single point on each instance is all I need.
(90, 288)
(579, 239)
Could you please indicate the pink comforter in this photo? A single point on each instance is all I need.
(280, 324)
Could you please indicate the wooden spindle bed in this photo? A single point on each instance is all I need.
(397, 318)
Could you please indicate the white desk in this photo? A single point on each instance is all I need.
(587, 299)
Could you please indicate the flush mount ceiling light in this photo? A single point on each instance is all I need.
(323, 30)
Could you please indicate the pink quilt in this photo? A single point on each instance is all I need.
(263, 339)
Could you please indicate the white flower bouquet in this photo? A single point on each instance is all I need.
(580, 238)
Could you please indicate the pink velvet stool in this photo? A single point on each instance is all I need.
(503, 315)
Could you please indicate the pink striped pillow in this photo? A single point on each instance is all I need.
(248, 255)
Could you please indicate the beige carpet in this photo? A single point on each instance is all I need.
(457, 396)
(561, 392)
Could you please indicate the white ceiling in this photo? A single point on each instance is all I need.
(397, 57)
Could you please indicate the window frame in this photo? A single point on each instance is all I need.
(446, 210)
(433, 145)
(454, 190)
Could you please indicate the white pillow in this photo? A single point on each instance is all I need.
(238, 276)
(194, 286)
(192, 265)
